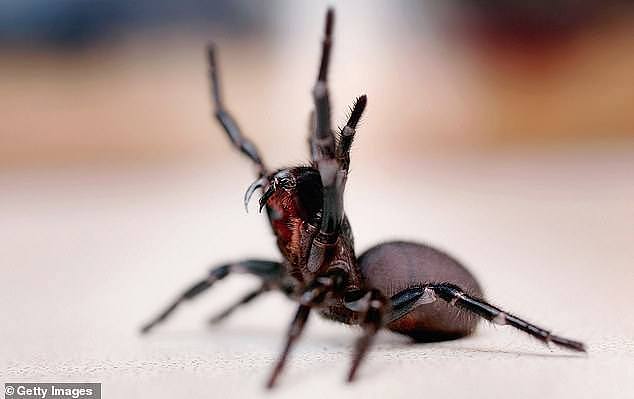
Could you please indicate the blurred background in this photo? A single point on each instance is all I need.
(502, 132)
(117, 81)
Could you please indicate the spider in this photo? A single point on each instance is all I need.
(408, 288)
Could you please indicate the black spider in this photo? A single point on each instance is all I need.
(394, 285)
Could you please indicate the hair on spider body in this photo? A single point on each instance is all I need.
(409, 288)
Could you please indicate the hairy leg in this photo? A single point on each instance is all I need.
(270, 273)
(410, 298)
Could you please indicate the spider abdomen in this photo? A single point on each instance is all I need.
(393, 266)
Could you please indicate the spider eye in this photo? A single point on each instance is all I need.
(285, 180)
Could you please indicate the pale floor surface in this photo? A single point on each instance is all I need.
(88, 255)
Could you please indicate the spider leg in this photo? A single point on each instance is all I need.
(294, 331)
(330, 159)
(322, 139)
(348, 132)
(243, 301)
(371, 323)
(265, 287)
(313, 295)
(323, 145)
(228, 123)
(408, 299)
(323, 153)
(270, 273)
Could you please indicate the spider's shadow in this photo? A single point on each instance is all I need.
(385, 341)
(555, 353)
(343, 344)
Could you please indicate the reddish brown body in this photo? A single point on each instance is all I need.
(294, 209)
(389, 267)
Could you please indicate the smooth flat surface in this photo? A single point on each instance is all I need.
(87, 255)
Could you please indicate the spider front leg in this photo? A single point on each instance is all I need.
(322, 139)
(409, 299)
(269, 272)
(330, 158)
(313, 295)
(227, 121)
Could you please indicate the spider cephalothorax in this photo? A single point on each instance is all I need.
(409, 288)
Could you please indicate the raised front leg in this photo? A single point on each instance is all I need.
(328, 157)
(228, 123)
(348, 132)
(271, 274)
(322, 139)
